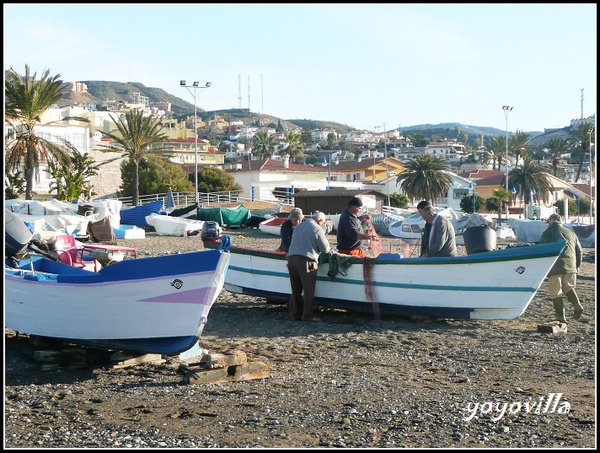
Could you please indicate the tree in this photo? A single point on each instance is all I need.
(134, 137)
(26, 99)
(497, 148)
(14, 185)
(581, 136)
(419, 140)
(557, 147)
(498, 200)
(72, 180)
(212, 179)
(519, 144)
(294, 142)
(530, 176)
(156, 175)
(466, 203)
(398, 200)
(425, 177)
(263, 145)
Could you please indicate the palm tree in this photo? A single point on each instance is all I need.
(519, 144)
(557, 147)
(530, 176)
(582, 135)
(499, 199)
(263, 145)
(135, 136)
(294, 142)
(497, 148)
(425, 178)
(26, 99)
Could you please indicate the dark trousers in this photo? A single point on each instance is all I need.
(303, 277)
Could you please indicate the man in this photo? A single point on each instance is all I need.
(425, 233)
(350, 232)
(442, 240)
(308, 242)
(563, 275)
(287, 229)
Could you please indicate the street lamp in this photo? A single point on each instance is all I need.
(472, 186)
(513, 191)
(575, 196)
(507, 110)
(196, 87)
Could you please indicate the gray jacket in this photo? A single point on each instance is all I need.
(309, 240)
(442, 240)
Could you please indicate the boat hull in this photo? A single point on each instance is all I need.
(149, 305)
(490, 285)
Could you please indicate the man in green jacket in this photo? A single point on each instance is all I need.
(563, 275)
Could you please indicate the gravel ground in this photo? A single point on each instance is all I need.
(348, 381)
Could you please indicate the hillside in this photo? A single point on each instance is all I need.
(99, 91)
(476, 130)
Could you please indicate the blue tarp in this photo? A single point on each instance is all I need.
(137, 215)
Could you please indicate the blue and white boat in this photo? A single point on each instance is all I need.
(149, 305)
(498, 284)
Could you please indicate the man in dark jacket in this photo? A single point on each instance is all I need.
(350, 234)
(563, 275)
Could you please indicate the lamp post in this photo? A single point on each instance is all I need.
(575, 196)
(196, 87)
(507, 109)
(531, 194)
(472, 186)
(513, 191)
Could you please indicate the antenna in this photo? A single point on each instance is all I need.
(582, 103)
(248, 93)
(239, 91)
(262, 98)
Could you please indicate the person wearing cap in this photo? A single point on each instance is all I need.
(442, 238)
(287, 229)
(308, 242)
(563, 275)
(350, 234)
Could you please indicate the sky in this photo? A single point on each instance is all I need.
(370, 66)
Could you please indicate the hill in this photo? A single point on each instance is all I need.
(100, 91)
(476, 130)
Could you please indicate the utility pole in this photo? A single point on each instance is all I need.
(262, 99)
(248, 93)
(582, 105)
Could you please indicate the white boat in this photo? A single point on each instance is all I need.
(490, 285)
(173, 226)
(272, 226)
(149, 305)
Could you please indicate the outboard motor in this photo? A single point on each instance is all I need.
(17, 236)
(211, 231)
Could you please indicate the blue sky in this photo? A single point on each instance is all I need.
(364, 65)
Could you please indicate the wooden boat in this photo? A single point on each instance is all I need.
(272, 226)
(489, 285)
(149, 305)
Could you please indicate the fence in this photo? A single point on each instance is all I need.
(183, 199)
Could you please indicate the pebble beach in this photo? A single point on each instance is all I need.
(349, 381)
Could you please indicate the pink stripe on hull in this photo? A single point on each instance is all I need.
(192, 296)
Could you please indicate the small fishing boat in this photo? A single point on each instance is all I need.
(272, 226)
(149, 305)
(496, 284)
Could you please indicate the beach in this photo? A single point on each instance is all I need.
(349, 381)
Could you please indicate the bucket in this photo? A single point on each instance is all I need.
(479, 239)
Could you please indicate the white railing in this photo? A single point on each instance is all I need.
(183, 199)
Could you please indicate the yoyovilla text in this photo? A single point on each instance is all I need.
(545, 405)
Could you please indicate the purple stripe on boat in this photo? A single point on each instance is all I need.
(192, 296)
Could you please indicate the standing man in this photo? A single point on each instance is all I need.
(287, 228)
(350, 232)
(442, 240)
(563, 275)
(303, 261)
(425, 233)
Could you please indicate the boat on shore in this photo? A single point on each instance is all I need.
(272, 226)
(149, 305)
(496, 284)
